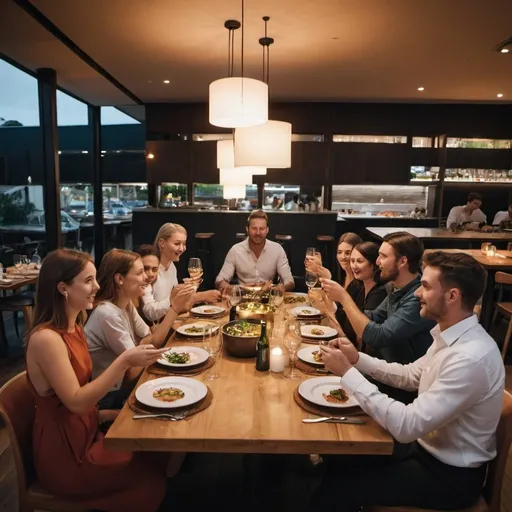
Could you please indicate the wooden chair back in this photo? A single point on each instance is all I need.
(503, 278)
(496, 474)
(17, 409)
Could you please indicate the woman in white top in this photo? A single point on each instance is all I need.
(170, 243)
(115, 325)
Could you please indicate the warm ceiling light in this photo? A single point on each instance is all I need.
(234, 177)
(150, 156)
(504, 50)
(167, 81)
(500, 95)
(268, 145)
(421, 88)
(226, 160)
(233, 192)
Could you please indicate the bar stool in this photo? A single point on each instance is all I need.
(205, 253)
(326, 249)
(286, 243)
(241, 236)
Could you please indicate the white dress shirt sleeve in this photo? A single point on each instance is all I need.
(453, 216)
(480, 216)
(283, 268)
(140, 327)
(499, 217)
(461, 382)
(229, 268)
(154, 309)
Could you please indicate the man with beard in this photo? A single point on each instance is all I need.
(256, 259)
(450, 429)
(394, 331)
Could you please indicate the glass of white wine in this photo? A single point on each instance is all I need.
(235, 295)
(195, 270)
(311, 280)
(277, 295)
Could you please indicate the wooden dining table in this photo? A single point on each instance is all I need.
(492, 264)
(251, 412)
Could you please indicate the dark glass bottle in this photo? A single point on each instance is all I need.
(232, 313)
(263, 350)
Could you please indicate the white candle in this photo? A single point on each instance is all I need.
(277, 360)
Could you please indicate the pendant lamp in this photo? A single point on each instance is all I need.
(226, 159)
(237, 101)
(233, 192)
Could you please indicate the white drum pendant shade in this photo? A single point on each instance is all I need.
(267, 145)
(234, 177)
(234, 192)
(226, 160)
(238, 102)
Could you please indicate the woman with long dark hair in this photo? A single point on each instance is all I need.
(69, 457)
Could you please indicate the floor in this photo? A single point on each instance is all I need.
(223, 477)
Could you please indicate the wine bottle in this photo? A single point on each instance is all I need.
(263, 350)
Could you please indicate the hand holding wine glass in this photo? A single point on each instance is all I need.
(195, 270)
(311, 280)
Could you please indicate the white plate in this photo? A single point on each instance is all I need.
(197, 356)
(328, 332)
(305, 311)
(194, 392)
(6, 281)
(182, 329)
(306, 355)
(296, 294)
(313, 389)
(207, 310)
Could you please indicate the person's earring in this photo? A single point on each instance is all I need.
(66, 296)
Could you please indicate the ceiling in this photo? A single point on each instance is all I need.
(328, 50)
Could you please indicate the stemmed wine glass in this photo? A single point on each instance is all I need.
(195, 270)
(292, 341)
(18, 262)
(277, 295)
(234, 295)
(212, 343)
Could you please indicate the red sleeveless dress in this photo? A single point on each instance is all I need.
(71, 461)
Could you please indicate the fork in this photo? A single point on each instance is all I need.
(164, 416)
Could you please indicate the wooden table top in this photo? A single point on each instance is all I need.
(494, 263)
(16, 282)
(441, 233)
(251, 413)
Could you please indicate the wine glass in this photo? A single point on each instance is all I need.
(25, 262)
(310, 252)
(17, 262)
(212, 343)
(234, 295)
(277, 295)
(292, 341)
(195, 270)
(311, 280)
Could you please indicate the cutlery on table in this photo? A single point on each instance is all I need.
(334, 419)
(163, 416)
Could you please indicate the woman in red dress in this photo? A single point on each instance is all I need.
(70, 459)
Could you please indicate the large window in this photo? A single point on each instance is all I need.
(479, 175)
(454, 142)
(371, 139)
(424, 173)
(172, 195)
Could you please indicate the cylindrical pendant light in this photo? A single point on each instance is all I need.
(233, 192)
(237, 101)
(268, 145)
(234, 177)
(226, 159)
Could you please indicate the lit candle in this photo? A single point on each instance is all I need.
(277, 360)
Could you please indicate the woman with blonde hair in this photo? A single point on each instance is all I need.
(170, 243)
(115, 324)
(68, 453)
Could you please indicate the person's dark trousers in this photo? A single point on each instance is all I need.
(410, 477)
(115, 399)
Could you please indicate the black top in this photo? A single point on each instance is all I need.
(371, 301)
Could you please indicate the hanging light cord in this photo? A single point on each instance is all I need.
(243, 38)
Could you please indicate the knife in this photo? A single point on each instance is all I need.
(344, 419)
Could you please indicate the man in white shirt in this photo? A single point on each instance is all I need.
(460, 215)
(256, 259)
(505, 217)
(451, 427)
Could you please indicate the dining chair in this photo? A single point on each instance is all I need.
(17, 409)
(504, 308)
(490, 500)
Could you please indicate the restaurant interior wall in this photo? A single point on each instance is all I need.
(328, 162)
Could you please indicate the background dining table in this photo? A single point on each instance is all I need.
(251, 412)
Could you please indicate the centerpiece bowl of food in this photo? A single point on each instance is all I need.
(240, 337)
(255, 310)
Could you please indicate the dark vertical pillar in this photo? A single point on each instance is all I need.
(47, 89)
(153, 195)
(94, 114)
(190, 192)
(261, 190)
(442, 172)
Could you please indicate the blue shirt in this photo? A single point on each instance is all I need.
(397, 333)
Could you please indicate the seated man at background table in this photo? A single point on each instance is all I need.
(394, 331)
(256, 259)
(450, 429)
(504, 219)
(463, 215)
